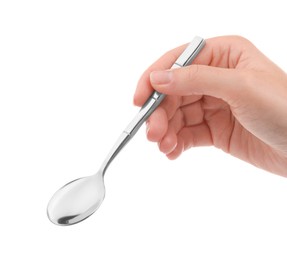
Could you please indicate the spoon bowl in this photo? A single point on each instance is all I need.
(77, 200)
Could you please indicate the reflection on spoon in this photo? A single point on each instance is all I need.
(80, 198)
(77, 200)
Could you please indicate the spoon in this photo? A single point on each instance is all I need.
(80, 198)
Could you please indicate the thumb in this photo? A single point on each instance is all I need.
(226, 84)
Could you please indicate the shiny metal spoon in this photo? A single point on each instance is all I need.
(80, 198)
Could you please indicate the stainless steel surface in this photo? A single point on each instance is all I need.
(190, 52)
(77, 200)
(80, 198)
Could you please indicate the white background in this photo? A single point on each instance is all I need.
(68, 71)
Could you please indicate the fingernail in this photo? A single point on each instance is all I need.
(161, 77)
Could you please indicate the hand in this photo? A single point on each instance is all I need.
(231, 97)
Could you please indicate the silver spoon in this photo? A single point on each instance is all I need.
(80, 198)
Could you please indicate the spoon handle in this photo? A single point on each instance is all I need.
(152, 102)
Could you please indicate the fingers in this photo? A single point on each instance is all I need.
(186, 116)
(157, 125)
(169, 142)
(193, 136)
(170, 134)
(226, 84)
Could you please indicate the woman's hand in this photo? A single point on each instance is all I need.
(232, 97)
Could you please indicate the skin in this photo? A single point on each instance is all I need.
(232, 97)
